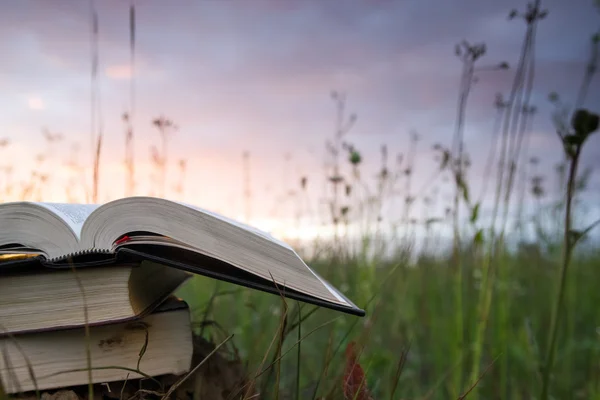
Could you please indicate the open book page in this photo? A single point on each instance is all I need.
(269, 237)
(74, 215)
(248, 228)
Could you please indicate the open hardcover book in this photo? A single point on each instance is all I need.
(179, 235)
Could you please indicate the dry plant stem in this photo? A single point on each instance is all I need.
(522, 190)
(589, 74)
(145, 375)
(299, 352)
(96, 180)
(504, 153)
(262, 370)
(88, 348)
(399, 369)
(458, 145)
(568, 242)
(329, 357)
(409, 172)
(184, 378)
(209, 306)
(96, 136)
(568, 245)
(466, 81)
(278, 353)
(485, 300)
(11, 374)
(251, 384)
(283, 332)
(442, 379)
(510, 114)
(518, 130)
(94, 72)
(520, 118)
(500, 107)
(464, 396)
(298, 363)
(295, 344)
(122, 393)
(129, 146)
(27, 362)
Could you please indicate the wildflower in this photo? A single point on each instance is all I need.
(355, 385)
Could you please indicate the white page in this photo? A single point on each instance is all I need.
(239, 224)
(271, 238)
(74, 215)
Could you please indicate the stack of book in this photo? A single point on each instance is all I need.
(86, 291)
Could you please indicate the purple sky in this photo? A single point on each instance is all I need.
(256, 75)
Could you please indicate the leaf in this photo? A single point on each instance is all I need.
(569, 149)
(575, 235)
(475, 213)
(478, 238)
(336, 179)
(593, 121)
(132, 28)
(355, 157)
(578, 121)
(463, 187)
(574, 140)
(303, 182)
(143, 349)
(445, 160)
(584, 122)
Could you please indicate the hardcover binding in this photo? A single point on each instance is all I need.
(192, 262)
(167, 303)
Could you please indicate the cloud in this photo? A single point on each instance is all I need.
(256, 75)
(36, 103)
(119, 72)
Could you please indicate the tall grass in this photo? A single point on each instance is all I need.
(415, 306)
(493, 317)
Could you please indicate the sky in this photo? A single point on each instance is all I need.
(256, 76)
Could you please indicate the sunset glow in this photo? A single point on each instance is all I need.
(256, 76)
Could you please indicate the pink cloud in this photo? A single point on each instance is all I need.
(36, 103)
(122, 71)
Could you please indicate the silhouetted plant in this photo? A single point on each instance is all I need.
(128, 117)
(343, 124)
(166, 128)
(583, 124)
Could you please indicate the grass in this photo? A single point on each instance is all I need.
(416, 306)
(486, 319)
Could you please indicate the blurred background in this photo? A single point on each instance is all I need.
(408, 149)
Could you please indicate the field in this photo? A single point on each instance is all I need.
(412, 309)
(487, 293)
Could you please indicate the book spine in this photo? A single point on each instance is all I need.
(78, 254)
